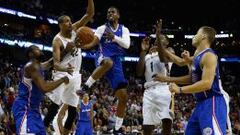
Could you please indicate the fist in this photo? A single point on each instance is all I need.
(185, 55)
(174, 88)
(65, 79)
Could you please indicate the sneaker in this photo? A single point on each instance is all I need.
(117, 132)
(84, 89)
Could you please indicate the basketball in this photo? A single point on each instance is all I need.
(84, 36)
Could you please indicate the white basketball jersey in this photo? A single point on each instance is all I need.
(153, 66)
(74, 58)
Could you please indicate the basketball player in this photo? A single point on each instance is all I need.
(112, 38)
(157, 97)
(187, 60)
(69, 65)
(85, 120)
(31, 92)
(210, 114)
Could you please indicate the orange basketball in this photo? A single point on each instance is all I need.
(85, 35)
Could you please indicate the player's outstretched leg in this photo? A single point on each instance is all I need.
(98, 73)
(122, 96)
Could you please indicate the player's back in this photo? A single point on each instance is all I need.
(197, 74)
(29, 95)
(107, 47)
(74, 58)
(85, 112)
(153, 66)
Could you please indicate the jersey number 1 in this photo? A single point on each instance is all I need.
(151, 66)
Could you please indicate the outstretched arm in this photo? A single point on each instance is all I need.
(161, 49)
(174, 58)
(208, 64)
(163, 52)
(87, 17)
(32, 71)
(97, 37)
(141, 62)
(178, 80)
(47, 64)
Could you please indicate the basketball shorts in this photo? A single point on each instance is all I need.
(156, 104)
(84, 128)
(115, 75)
(208, 118)
(28, 122)
(66, 93)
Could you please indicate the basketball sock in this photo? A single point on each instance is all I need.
(90, 82)
(118, 124)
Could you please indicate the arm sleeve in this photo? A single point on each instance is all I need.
(123, 41)
(99, 31)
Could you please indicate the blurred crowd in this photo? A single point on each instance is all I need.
(137, 15)
(105, 103)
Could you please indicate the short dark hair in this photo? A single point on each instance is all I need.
(210, 32)
(61, 18)
(28, 50)
(115, 8)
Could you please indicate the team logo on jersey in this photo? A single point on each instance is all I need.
(207, 131)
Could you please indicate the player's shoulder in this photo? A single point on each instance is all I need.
(124, 27)
(31, 67)
(57, 39)
(101, 27)
(147, 57)
(209, 57)
(209, 54)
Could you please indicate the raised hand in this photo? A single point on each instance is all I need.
(186, 55)
(158, 27)
(78, 42)
(145, 44)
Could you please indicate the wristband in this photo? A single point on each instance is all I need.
(180, 90)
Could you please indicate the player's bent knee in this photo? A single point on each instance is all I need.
(108, 63)
(122, 85)
(72, 113)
